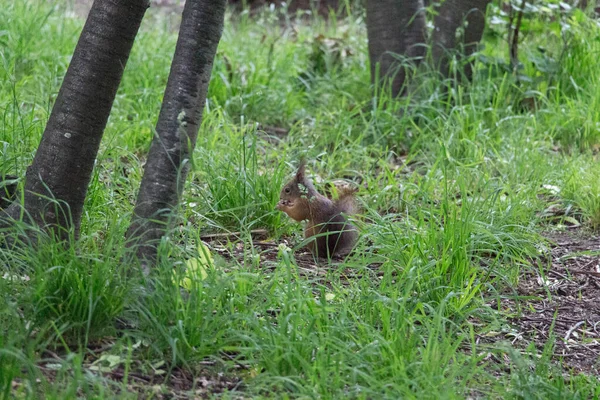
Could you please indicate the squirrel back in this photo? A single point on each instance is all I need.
(327, 225)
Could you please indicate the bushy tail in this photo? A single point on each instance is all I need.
(346, 201)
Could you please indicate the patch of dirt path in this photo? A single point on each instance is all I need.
(563, 300)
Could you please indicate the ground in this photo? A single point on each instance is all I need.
(560, 299)
(477, 266)
(557, 299)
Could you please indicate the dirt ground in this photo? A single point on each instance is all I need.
(560, 299)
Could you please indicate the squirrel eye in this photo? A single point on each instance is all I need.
(287, 190)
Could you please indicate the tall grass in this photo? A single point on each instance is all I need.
(452, 186)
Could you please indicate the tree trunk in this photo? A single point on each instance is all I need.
(452, 15)
(57, 180)
(178, 123)
(394, 28)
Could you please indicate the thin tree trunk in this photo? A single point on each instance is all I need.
(57, 180)
(394, 28)
(513, 37)
(177, 127)
(452, 14)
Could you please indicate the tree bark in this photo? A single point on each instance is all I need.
(177, 127)
(394, 28)
(57, 180)
(452, 14)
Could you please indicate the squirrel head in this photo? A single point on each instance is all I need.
(295, 197)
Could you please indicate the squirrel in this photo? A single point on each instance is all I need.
(326, 219)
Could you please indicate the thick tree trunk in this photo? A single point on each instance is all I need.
(178, 123)
(57, 180)
(452, 15)
(394, 28)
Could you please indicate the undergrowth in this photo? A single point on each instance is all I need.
(454, 182)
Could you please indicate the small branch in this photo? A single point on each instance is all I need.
(571, 329)
(255, 233)
(511, 18)
(514, 46)
(591, 273)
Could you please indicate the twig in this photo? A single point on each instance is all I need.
(236, 235)
(121, 375)
(595, 260)
(553, 272)
(571, 329)
(52, 354)
(313, 272)
(236, 362)
(514, 46)
(591, 273)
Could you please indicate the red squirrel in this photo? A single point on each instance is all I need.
(332, 234)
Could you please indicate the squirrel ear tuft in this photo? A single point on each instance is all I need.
(301, 174)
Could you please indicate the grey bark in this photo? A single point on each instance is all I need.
(395, 28)
(452, 15)
(57, 180)
(177, 127)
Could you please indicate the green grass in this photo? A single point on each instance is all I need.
(452, 187)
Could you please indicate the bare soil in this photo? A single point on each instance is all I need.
(561, 299)
(558, 299)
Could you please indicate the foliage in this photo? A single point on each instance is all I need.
(454, 190)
